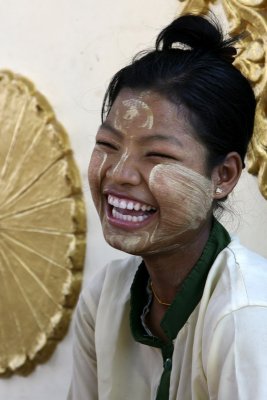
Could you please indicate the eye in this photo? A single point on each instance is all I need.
(106, 144)
(161, 155)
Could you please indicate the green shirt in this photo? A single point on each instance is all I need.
(183, 305)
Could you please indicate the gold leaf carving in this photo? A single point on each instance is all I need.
(42, 227)
(248, 16)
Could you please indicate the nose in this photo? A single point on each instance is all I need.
(125, 170)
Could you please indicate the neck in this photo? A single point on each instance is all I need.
(168, 270)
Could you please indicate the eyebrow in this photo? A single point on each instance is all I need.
(107, 126)
(146, 139)
(163, 138)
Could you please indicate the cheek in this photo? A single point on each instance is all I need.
(184, 196)
(95, 174)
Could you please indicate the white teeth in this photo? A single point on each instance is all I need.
(116, 203)
(137, 206)
(123, 204)
(129, 218)
(129, 205)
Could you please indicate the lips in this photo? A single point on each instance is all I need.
(126, 211)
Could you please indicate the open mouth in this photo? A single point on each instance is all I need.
(123, 210)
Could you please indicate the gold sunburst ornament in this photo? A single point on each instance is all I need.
(42, 227)
(248, 16)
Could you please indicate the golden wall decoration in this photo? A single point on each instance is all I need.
(42, 227)
(248, 16)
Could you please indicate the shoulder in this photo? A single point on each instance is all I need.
(111, 282)
(246, 274)
(237, 280)
(246, 258)
(234, 308)
(239, 276)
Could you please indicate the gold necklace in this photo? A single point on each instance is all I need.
(156, 297)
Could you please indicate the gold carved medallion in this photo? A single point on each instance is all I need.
(249, 16)
(42, 227)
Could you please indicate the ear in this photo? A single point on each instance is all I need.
(226, 175)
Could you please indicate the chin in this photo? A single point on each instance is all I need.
(129, 244)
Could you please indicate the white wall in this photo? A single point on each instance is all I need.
(70, 49)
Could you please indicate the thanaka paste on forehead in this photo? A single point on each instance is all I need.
(134, 108)
(145, 93)
(183, 195)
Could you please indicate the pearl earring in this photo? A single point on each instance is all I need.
(218, 190)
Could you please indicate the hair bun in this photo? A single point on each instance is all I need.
(228, 53)
(195, 32)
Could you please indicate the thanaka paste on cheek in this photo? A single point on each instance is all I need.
(97, 162)
(134, 112)
(128, 243)
(185, 198)
(182, 197)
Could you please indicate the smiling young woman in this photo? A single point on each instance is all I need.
(184, 316)
(149, 163)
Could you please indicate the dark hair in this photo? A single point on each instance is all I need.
(191, 66)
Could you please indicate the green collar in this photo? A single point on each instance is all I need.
(186, 299)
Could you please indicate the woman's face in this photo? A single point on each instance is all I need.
(147, 176)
